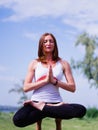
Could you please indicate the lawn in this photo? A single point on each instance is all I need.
(49, 124)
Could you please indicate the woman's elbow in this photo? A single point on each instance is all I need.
(25, 88)
(73, 89)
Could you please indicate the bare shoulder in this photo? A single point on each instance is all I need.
(32, 64)
(65, 64)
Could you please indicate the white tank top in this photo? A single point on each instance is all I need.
(49, 92)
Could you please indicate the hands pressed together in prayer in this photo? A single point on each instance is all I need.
(49, 78)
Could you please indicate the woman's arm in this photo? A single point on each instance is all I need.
(28, 84)
(70, 84)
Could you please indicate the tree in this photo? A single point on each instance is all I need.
(89, 64)
(19, 89)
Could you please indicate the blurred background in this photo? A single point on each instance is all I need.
(22, 22)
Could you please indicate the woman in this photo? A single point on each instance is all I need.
(44, 77)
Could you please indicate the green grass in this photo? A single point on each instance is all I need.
(49, 124)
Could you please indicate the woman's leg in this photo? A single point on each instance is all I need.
(27, 115)
(40, 106)
(38, 125)
(60, 110)
(65, 111)
(58, 123)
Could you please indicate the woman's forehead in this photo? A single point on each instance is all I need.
(48, 37)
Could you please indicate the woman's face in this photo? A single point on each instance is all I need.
(48, 44)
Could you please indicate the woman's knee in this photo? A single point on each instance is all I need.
(18, 121)
(83, 111)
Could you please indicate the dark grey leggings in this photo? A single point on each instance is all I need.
(28, 114)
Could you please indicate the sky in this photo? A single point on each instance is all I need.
(22, 22)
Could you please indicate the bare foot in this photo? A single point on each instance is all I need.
(38, 105)
(27, 102)
(58, 104)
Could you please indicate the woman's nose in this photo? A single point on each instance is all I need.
(48, 42)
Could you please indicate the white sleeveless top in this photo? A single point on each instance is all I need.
(49, 92)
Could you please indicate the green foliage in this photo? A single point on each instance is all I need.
(92, 113)
(89, 64)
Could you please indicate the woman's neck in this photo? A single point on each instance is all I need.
(48, 58)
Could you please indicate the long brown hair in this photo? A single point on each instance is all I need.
(41, 56)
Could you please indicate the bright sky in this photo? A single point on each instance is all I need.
(22, 22)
